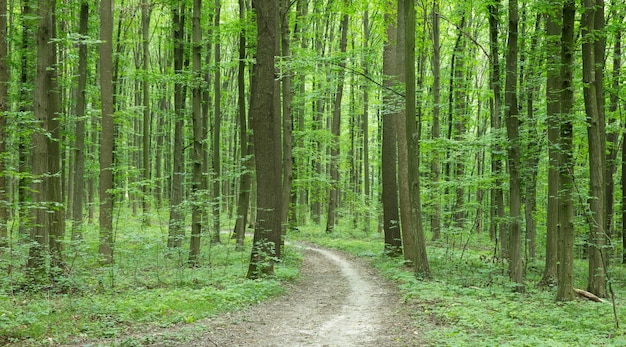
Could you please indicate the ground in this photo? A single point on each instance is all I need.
(339, 300)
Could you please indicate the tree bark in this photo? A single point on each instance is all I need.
(198, 135)
(107, 133)
(176, 231)
(566, 234)
(287, 118)
(268, 156)
(435, 166)
(422, 268)
(594, 104)
(244, 181)
(391, 216)
(406, 224)
(553, 110)
(217, 126)
(512, 126)
(496, 228)
(4, 107)
(147, 119)
(79, 151)
(335, 130)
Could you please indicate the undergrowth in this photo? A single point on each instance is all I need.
(149, 286)
(470, 300)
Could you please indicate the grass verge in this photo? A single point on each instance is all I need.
(149, 287)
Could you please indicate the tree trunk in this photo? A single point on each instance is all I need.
(287, 119)
(365, 131)
(422, 268)
(245, 179)
(217, 123)
(268, 157)
(512, 126)
(408, 237)
(612, 136)
(435, 166)
(391, 217)
(79, 150)
(566, 233)
(198, 135)
(553, 110)
(4, 107)
(594, 104)
(335, 130)
(107, 133)
(147, 121)
(176, 231)
(496, 229)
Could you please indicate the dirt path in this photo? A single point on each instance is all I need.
(339, 301)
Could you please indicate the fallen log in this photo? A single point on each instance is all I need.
(587, 295)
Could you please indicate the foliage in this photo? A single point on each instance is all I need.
(148, 286)
(470, 301)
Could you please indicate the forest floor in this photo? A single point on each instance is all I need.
(339, 300)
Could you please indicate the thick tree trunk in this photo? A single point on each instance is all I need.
(268, 156)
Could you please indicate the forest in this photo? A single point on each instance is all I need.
(155, 150)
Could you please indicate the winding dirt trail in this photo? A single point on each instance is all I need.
(339, 301)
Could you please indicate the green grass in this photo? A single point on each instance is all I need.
(470, 301)
(148, 287)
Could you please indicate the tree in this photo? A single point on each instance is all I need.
(245, 150)
(512, 126)
(265, 124)
(422, 268)
(81, 104)
(176, 232)
(147, 119)
(593, 55)
(198, 134)
(566, 234)
(287, 116)
(496, 229)
(107, 134)
(4, 108)
(435, 166)
(391, 216)
(406, 222)
(553, 111)
(217, 123)
(335, 130)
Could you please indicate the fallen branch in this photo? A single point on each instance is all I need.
(587, 295)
